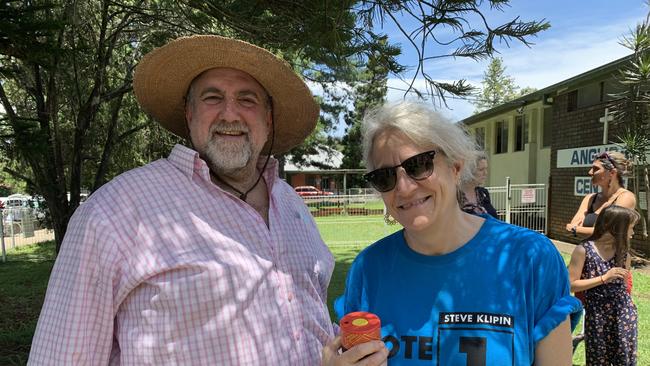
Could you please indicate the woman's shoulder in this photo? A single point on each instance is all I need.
(582, 247)
(626, 199)
(514, 233)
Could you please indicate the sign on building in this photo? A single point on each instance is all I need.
(582, 186)
(582, 156)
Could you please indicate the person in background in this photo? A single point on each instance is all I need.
(206, 257)
(607, 172)
(450, 286)
(598, 268)
(475, 198)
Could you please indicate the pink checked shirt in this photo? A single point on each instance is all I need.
(162, 267)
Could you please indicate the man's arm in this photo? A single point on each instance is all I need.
(75, 326)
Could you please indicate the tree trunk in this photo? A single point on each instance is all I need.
(60, 219)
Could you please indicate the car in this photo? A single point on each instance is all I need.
(310, 191)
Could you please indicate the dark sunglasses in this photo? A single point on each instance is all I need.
(417, 167)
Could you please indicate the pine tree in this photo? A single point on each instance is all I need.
(498, 87)
(368, 93)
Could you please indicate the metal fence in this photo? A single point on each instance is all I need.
(521, 204)
(357, 220)
(22, 226)
(346, 205)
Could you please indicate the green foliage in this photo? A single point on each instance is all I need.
(369, 92)
(71, 121)
(498, 87)
(631, 109)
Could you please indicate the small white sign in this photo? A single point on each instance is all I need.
(528, 195)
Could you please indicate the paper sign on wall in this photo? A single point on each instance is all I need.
(528, 195)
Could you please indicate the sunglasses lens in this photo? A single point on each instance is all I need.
(382, 179)
(419, 166)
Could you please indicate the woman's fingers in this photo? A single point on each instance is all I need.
(373, 353)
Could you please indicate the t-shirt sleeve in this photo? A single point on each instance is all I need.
(553, 302)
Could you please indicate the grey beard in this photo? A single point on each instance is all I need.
(228, 160)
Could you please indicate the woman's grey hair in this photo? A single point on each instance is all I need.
(469, 174)
(421, 124)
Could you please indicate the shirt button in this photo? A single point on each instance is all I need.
(296, 335)
(290, 297)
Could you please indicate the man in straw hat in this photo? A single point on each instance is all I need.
(206, 257)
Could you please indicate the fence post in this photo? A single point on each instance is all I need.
(546, 218)
(2, 236)
(508, 199)
(13, 220)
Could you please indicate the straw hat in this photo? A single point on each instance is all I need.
(163, 76)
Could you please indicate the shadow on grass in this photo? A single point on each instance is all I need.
(23, 284)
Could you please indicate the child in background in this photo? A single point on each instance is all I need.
(599, 267)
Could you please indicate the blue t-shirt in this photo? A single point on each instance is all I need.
(487, 303)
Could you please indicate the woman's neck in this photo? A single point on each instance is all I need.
(611, 190)
(448, 234)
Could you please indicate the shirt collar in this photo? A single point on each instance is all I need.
(189, 162)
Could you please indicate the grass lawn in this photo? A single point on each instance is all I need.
(23, 280)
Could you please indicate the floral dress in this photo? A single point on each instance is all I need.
(611, 316)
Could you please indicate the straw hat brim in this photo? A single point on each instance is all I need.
(163, 76)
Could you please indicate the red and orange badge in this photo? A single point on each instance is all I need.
(359, 327)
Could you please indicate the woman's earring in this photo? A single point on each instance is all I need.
(389, 220)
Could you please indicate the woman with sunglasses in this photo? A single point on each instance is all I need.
(452, 288)
(607, 172)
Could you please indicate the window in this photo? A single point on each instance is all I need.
(479, 134)
(521, 133)
(572, 101)
(501, 143)
(548, 119)
(602, 91)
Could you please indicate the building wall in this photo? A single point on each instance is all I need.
(513, 165)
(528, 166)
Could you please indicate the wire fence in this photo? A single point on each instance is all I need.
(358, 220)
(344, 220)
(22, 226)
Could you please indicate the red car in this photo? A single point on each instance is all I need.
(309, 191)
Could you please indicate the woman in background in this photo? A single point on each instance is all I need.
(598, 268)
(475, 198)
(607, 172)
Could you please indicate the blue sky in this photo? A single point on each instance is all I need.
(584, 34)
